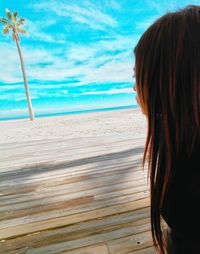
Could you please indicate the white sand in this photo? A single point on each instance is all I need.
(128, 122)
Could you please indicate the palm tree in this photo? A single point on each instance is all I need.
(15, 24)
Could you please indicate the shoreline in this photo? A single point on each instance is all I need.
(69, 113)
(124, 122)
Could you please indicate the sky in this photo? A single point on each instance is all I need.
(78, 55)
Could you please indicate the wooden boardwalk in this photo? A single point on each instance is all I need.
(74, 196)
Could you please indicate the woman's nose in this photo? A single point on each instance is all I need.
(134, 88)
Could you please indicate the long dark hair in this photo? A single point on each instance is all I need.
(167, 71)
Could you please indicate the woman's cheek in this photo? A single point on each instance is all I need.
(136, 97)
(138, 102)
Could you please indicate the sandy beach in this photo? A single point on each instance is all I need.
(74, 184)
(25, 142)
(128, 122)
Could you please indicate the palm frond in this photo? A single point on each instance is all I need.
(7, 26)
(4, 21)
(10, 26)
(22, 31)
(6, 31)
(13, 22)
(15, 14)
(20, 22)
(9, 14)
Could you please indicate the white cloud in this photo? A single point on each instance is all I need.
(103, 61)
(9, 87)
(35, 32)
(113, 91)
(84, 12)
(114, 4)
(20, 112)
(11, 71)
(146, 23)
(24, 98)
(12, 112)
(163, 7)
(14, 97)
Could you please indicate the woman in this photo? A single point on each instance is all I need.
(167, 72)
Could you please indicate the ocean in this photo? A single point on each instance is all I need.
(64, 98)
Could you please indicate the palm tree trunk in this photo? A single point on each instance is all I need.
(31, 114)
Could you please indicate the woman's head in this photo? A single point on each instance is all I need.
(167, 72)
(167, 65)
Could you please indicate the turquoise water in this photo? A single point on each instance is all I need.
(64, 98)
(71, 113)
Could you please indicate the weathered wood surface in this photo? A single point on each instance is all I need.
(74, 196)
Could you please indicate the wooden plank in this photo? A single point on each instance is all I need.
(53, 167)
(31, 186)
(76, 199)
(47, 159)
(21, 251)
(10, 214)
(76, 231)
(43, 216)
(53, 188)
(67, 220)
(130, 243)
(100, 193)
(76, 147)
(24, 158)
(75, 144)
(20, 186)
(61, 202)
(84, 179)
(150, 250)
(85, 186)
(101, 249)
(134, 229)
(49, 172)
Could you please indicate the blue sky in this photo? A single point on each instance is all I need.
(78, 55)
